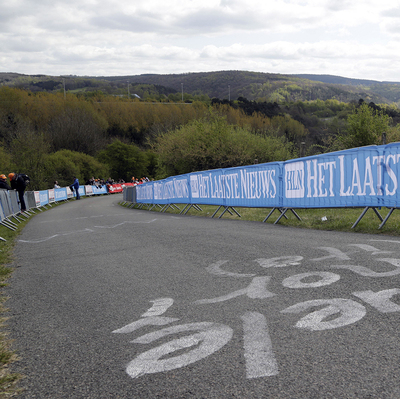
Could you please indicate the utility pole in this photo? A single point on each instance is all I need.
(129, 96)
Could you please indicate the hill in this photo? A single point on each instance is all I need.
(228, 85)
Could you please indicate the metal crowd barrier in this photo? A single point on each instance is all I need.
(9, 202)
(129, 195)
(364, 178)
(10, 210)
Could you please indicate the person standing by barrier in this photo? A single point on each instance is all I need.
(75, 186)
(3, 183)
(18, 182)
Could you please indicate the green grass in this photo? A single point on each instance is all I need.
(338, 219)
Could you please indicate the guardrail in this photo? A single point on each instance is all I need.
(366, 177)
(10, 211)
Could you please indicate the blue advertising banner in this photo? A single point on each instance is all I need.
(171, 190)
(145, 192)
(44, 197)
(60, 194)
(99, 190)
(250, 186)
(360, 177)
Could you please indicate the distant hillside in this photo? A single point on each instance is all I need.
(332, 79)
(223, 85)
(265, 86)
(390, 91)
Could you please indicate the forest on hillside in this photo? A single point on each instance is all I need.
(203, 86)
(57, 135)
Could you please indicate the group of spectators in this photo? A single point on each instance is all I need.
(97, 182)
(101, 182)
(18, 182)
(139, 181)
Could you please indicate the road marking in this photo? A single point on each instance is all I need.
(39, 240)
(366, 272)
(394, 241)
(333, 254)
(210, 338)
(380, 300)
(349, 312)
(370, 248)
(260, 360)
(258, 352)
(125, 222)
(326, 278)
(256, 290)
(281, 261)
(148, 321)
(159, 307)
(215, 268)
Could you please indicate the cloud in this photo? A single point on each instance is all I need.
(104, 37)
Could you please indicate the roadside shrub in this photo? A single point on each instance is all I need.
(211, 143)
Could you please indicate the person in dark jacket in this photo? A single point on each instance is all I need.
(18, 182)
(75, 186)
(3, 183)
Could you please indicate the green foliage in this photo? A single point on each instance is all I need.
(124, 160)
(364, 127)
(35, 124)
(77, 127)
(29, 150)
(5, 161)
(285, 126)
(152, 163)
(65, 164)
(393, 134)
(211, 143)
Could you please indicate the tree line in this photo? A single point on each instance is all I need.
(55, 136)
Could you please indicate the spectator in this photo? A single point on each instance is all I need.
(56, 185)
(18, 182)
(3, 182)
(75, 186)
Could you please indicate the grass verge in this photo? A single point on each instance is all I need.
(8, 380)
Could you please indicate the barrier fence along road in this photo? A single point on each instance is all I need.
(365, 177)
(10, 211)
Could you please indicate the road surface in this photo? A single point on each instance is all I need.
(110, 302)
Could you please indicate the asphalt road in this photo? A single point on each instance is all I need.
(109, 302)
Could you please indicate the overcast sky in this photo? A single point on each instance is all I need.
(350, 38)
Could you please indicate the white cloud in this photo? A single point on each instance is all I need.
(109, 37)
